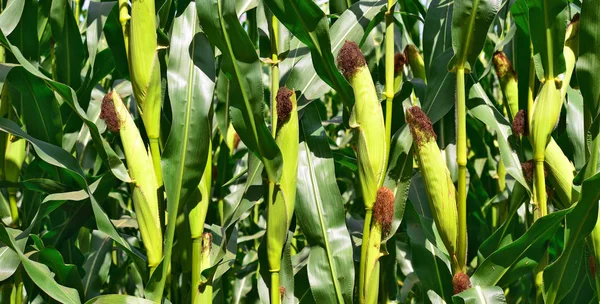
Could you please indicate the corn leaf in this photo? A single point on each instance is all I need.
(309, 24)
(68, 48)
(588, 62)
(242, 67)
(523, 254)
(560, 276)
(309, 79)
(107, 154)
(319, 208)
(480, 295)
(191, 77)
(471, 20)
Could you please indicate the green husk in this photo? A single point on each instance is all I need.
(439, 187)
(139, 162)
(415, 61)
(280, 212)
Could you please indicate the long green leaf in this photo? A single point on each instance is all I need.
(58, 157)
(471, 20)
(40, 274)
(107, 154)
(529, 248)
(321, 216)
(68, 48)
(480, 295)
(242, 67)
(588, 62)
(118, 299)
(560, 276)
(191, 75)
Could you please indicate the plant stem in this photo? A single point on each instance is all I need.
(461, 160)
(274, 73)
(275, 295)
(363, 256)
(206, 290)
(155, 151)
(540, 183)
(196, 265)
(389, 73)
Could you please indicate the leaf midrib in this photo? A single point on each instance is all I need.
(317, 200)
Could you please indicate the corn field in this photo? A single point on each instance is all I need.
(299, 151)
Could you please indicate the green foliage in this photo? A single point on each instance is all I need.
(252, 213)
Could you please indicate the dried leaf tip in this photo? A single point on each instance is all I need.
(284, 104)
(420, 125)
(503, 65)
(383, 209)
(399, 62)
(109, 114)
(520, 124)
(461, 282)
(350, 59)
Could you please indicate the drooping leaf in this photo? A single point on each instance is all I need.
(242, 67)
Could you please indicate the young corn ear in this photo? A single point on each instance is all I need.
(139, 162)
(508, 83)
(367, 119)
(281, 211)
(14, 157)
(440, 190)
(415, 61)
(383, 214)
(144, 66)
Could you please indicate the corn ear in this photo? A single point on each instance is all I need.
(508, 82)
(139, 162)
(415, 60)
(198, 213)
(144, 66)
(281, 211)
(546, 111)
(367, 119)
(440, 190)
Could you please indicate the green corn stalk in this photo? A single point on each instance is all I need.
(439, 187)
(197, 217)
(367, 119)
(393, 72)
(139, 162)
(280, 211)
(415, 61)
(144, 68)
(204, 289)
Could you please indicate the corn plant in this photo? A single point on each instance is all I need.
(299, 151)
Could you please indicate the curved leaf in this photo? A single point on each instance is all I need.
(107, 154)
(588, 62)
(242, 67)
(320, 212)
(480, 295)
(560, 276)
(309, 24)
(118, 299)
(471, 20)
(529, 249)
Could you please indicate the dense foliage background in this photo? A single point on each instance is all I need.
(70, 228)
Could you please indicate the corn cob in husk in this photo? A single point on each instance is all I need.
(415, 61)
(441, 193)
(281, 211)
(139, 162)
(367, 119)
